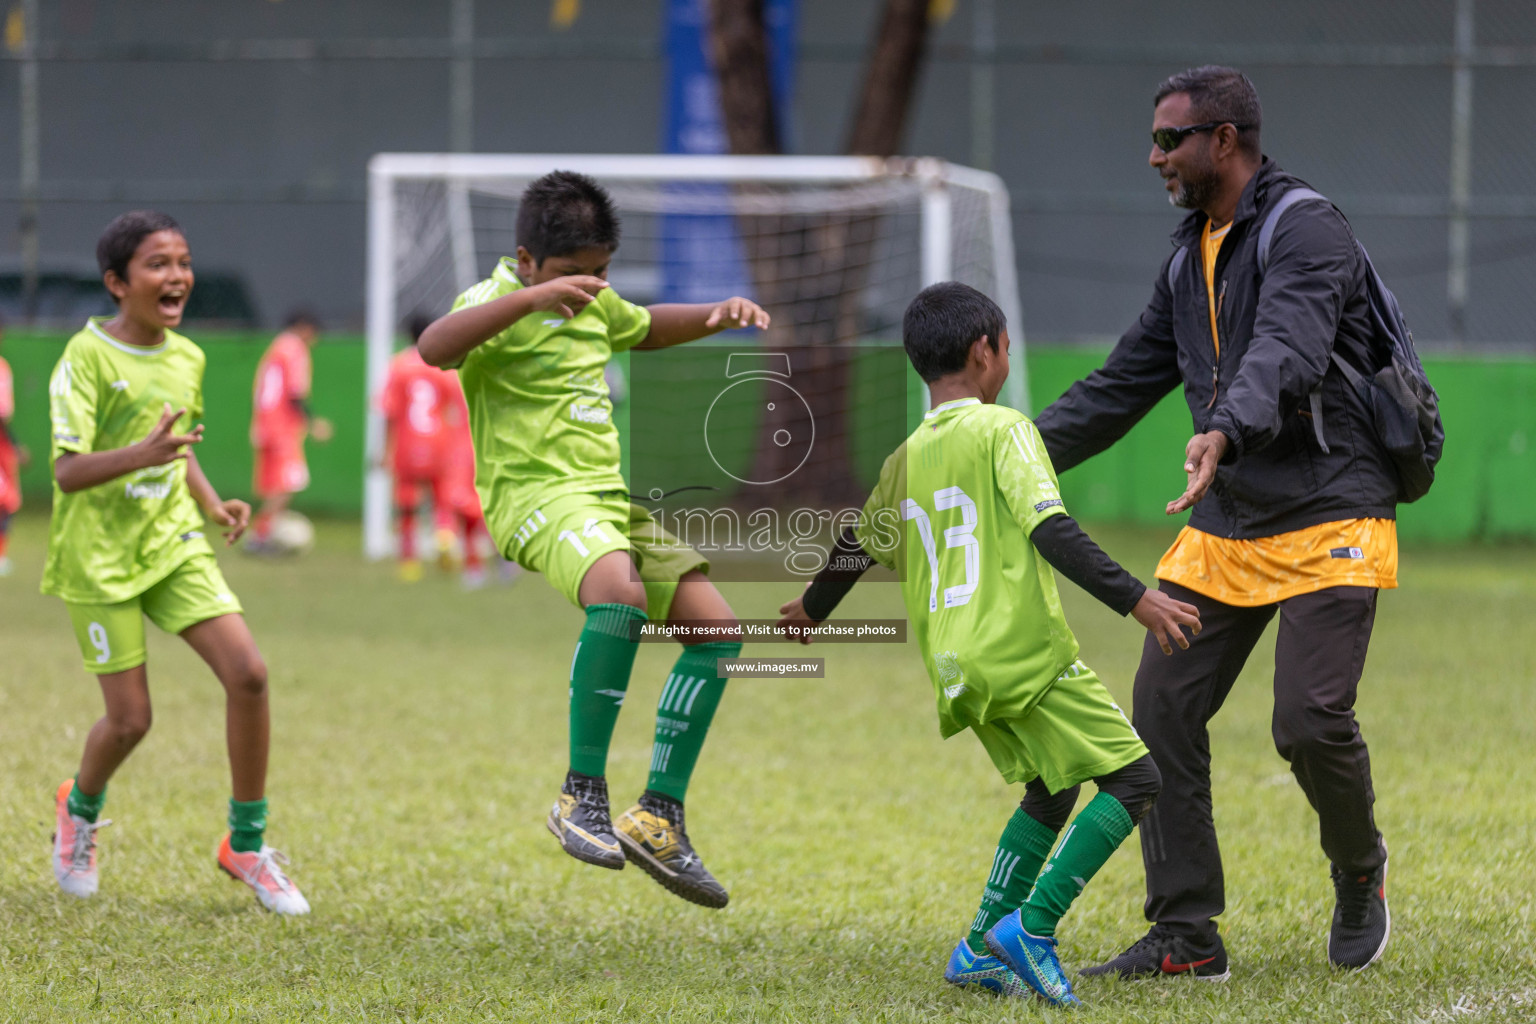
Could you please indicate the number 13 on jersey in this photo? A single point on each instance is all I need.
(960, 536)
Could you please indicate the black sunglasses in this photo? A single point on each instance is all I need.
(1169, 139)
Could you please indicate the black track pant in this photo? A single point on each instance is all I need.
(1319, 655)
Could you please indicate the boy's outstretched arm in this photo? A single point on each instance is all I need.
(673, 323)
(846, 562)
(233, 515)
(1071, 552)
(76, 471)
(450, 338)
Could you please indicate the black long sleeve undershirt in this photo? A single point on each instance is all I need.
(846, 562)
(1060, 541)
(1071, 552)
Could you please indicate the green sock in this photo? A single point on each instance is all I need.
(1096, 832)
(687, 706)
(247, 824)
(83, 806)
(1021, 849)
(599, 677)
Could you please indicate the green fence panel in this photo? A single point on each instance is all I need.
(225, 453)
(1485, 487)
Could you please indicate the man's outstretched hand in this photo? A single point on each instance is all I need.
(1164, 616)
(1201, 455)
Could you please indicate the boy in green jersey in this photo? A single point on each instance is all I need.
(531, 343)
(126, 541)
(967, 511)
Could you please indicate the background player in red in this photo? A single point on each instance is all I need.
(459, 487)
(414, 402)
(428, 449)
(280, 421)
(12, 455)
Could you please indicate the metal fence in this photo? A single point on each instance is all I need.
(253, 121)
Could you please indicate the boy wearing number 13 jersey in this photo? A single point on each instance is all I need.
(968, 513)
(531, 343)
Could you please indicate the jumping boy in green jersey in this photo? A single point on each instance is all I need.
(968, 512)
(127, 542)
(531, 343)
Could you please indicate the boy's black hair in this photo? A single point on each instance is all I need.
(301, 317)
(122, 238)
(563, 212)
(416, 324)
(943, 322)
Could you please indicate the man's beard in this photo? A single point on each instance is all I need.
(1194, 193)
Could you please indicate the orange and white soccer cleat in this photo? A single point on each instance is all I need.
(263, 872)
(74, 846)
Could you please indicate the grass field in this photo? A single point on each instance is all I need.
(419, 737)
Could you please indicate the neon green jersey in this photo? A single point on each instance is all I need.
(952, 514)
(112, 542)
(538, 403)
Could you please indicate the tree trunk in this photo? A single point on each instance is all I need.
(739, 47)
(811, 270)
(890, 79)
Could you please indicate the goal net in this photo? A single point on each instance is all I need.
(799, 416)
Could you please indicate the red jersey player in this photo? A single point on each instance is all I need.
(11, 457)
(280, 421)
(428, 449)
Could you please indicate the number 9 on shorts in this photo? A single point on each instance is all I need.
(111, 636)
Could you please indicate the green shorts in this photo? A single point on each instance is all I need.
(111, 636)
(567, 535)
(1075, 733)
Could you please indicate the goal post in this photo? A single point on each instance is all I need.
(437, 223)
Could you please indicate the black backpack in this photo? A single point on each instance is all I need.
(1404, 406)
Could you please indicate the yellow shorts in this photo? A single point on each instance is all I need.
(111, 636)
(1075, 733)
(567, 535)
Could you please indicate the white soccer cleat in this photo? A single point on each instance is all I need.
(74, 846)
(262, 871)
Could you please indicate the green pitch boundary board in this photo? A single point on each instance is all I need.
(1486, 487)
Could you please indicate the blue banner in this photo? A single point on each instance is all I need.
(700, 253)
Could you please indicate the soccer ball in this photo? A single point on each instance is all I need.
(292, 533)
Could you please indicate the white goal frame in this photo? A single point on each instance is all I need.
(936, 176)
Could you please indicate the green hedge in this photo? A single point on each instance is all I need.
(1486, 485)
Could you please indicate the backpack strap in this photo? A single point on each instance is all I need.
(1266, 238)
(1267, 230)
(1176, 264)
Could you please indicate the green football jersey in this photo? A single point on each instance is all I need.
(539, 411)
(952, 514)
(112, 542)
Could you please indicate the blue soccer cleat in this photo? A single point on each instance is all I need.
(982, 970)
(1033, 959)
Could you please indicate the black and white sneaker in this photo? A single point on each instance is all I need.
(654, 837)
(1164, 951)
(581, 821)
(1361, 922)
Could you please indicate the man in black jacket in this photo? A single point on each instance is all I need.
(1279, 523)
